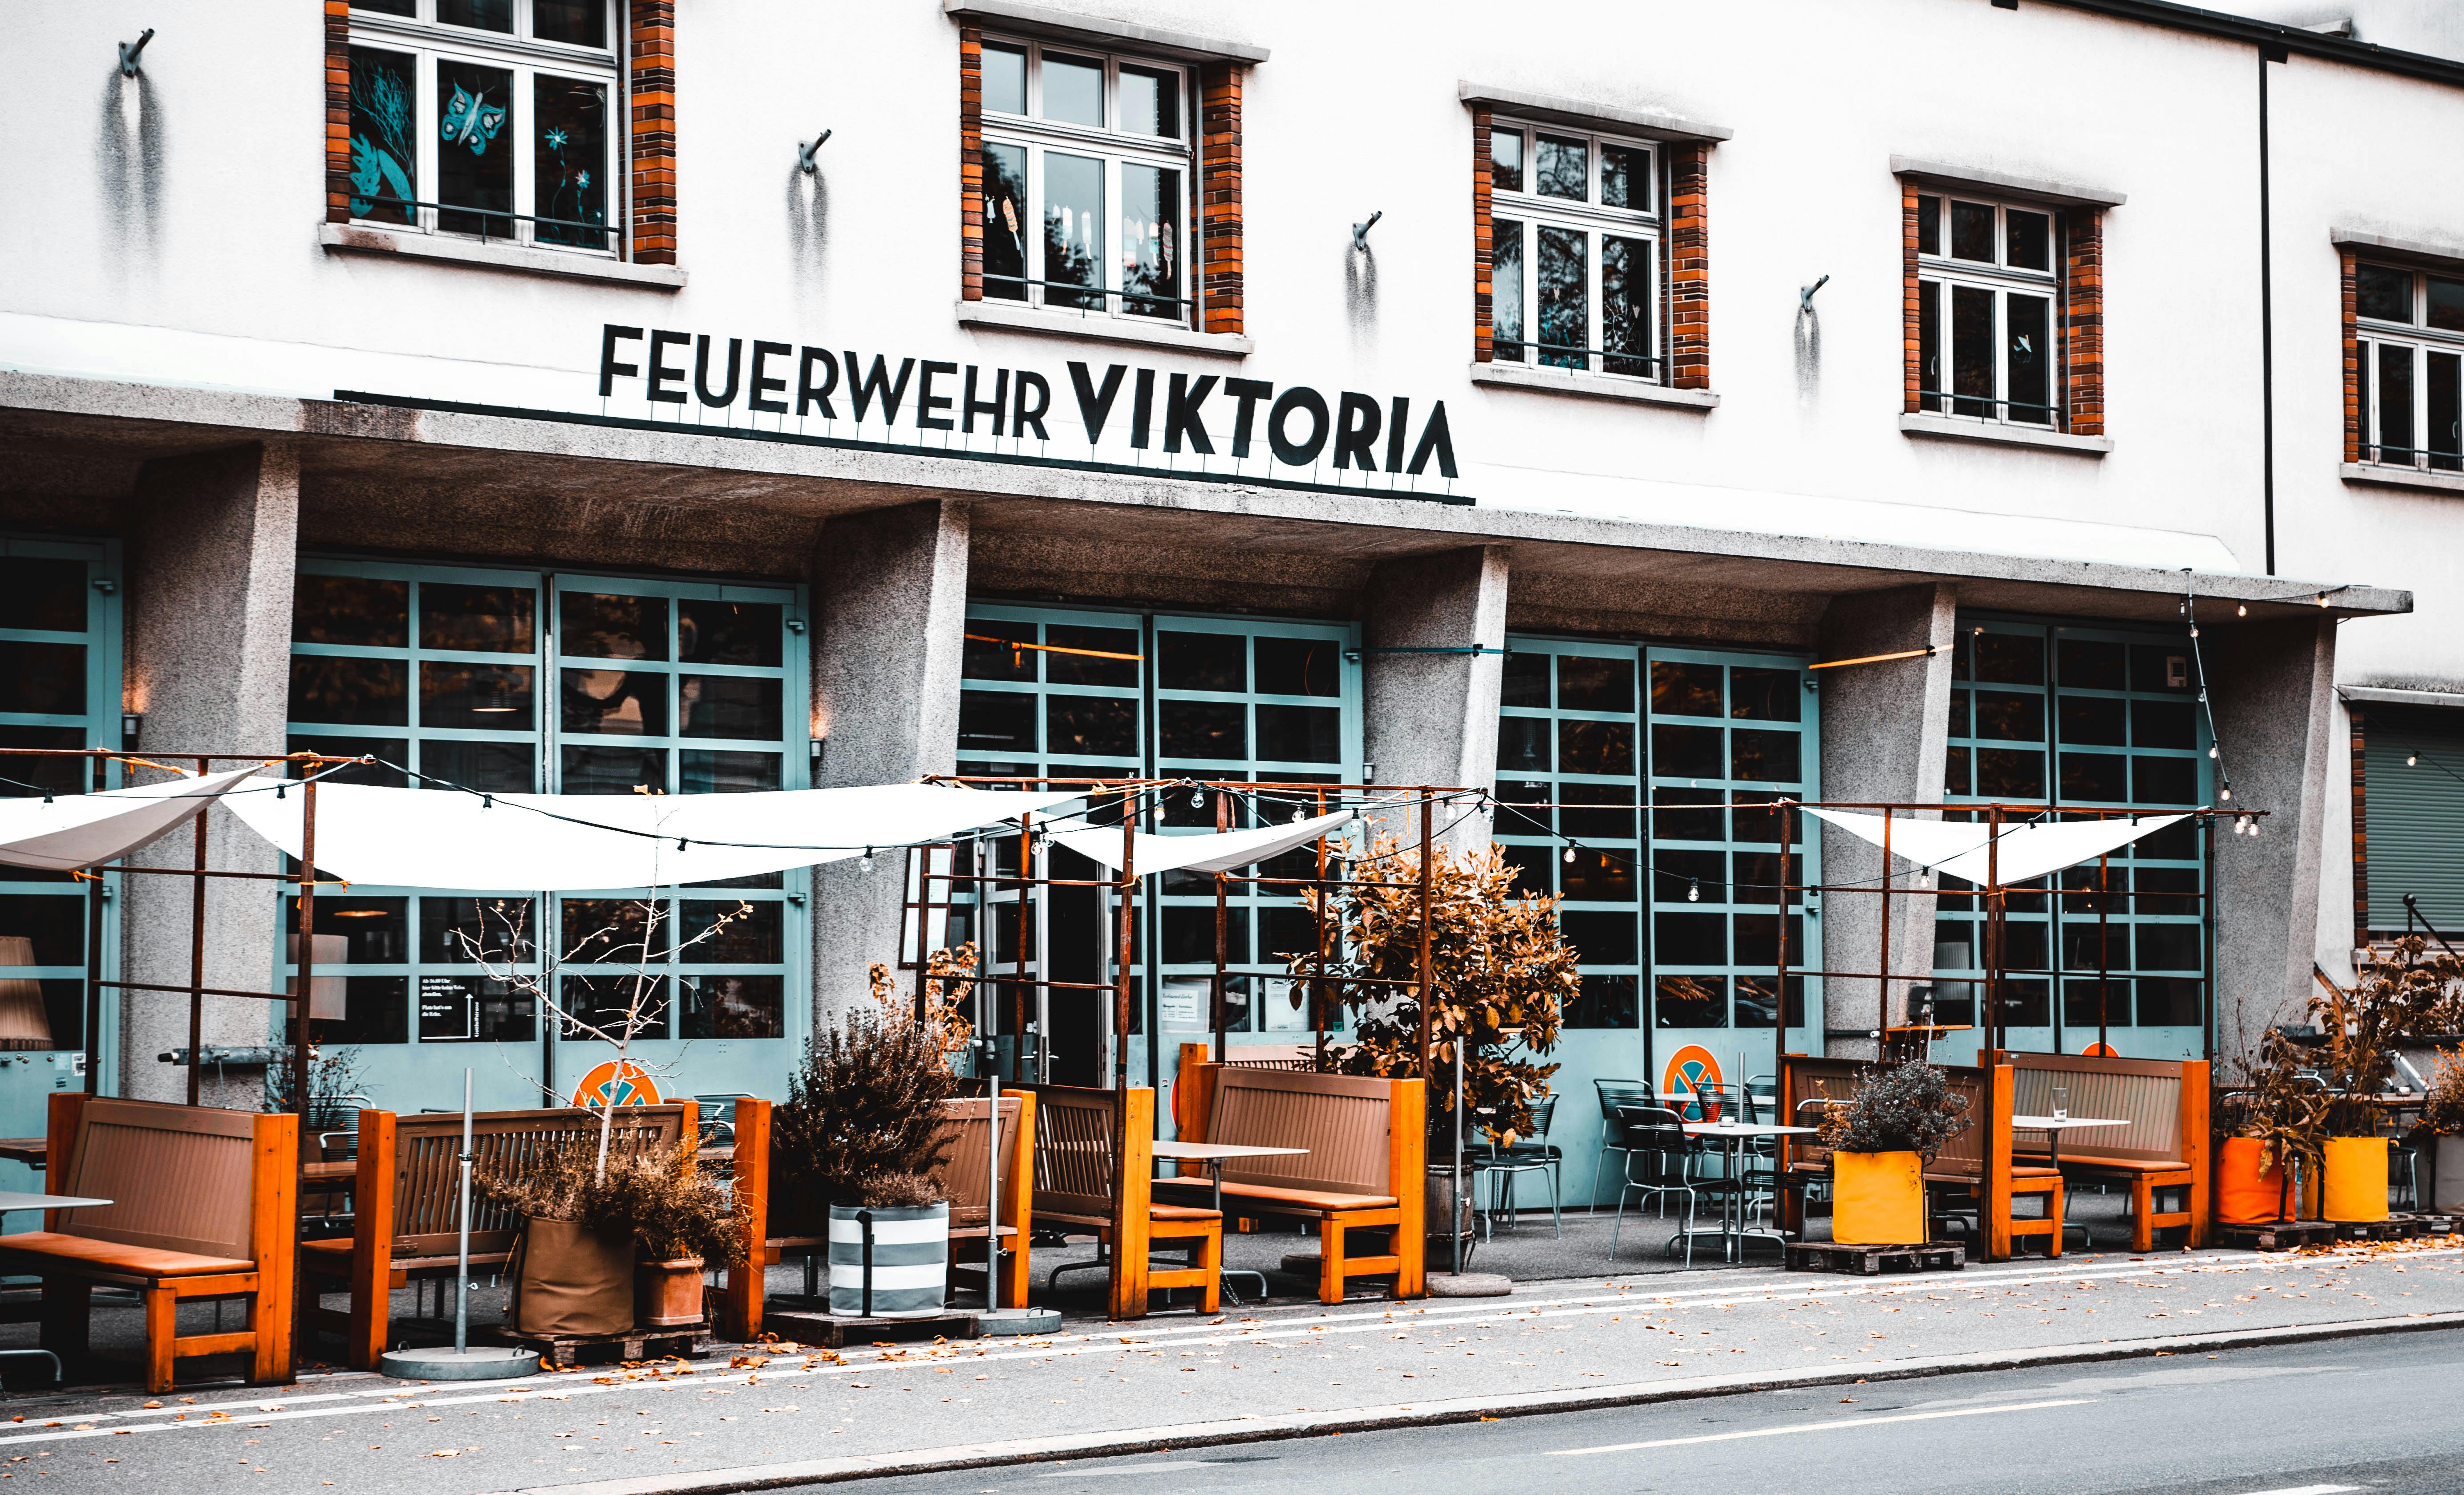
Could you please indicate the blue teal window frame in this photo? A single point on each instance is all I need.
(2135, 905)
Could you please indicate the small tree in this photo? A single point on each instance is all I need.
(1910, 1109)
(1500, 974)
(2409, 997)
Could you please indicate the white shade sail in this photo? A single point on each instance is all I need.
(557, 842)
(68, 831)
(1221, 852)
(2025, 850)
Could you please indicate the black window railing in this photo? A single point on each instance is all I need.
(1078, 295)
(612, 234)
(1613, 361)
(2420, 459)
(1940, 401)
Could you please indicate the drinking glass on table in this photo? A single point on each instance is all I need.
(2061, 1103)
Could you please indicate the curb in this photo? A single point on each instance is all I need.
(1463, 1409)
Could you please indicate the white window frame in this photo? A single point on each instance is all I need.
(2425, 342)
(2004, 280)
(1534, 211)
(429, 41)
(1115, 148)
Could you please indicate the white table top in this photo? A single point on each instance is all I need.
(2060, 1122)
(1722, 1129)
(11, 1200)
(1212, 1152)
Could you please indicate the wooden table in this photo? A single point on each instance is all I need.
(1735, 1134)
(10, 1201)
(1214, 1155)
(33, 1152)
(2053, 1127)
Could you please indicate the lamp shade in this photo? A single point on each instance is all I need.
(325, 993)
(24, 1021)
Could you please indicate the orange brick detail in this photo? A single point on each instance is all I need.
(1483, 309)
(1221, 282)
(1911, 305)
(2349, 292)
(971, 163)
(1690, 266)
(2084, 318)
(651, 136)
(338, 111)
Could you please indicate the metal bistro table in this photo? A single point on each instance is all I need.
(1214, 1155)
(12, 1201)
(2053, 1127)
(1732, 1231)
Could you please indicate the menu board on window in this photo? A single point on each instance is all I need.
(448, 1010)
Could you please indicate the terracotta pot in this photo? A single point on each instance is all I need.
(1878, 1199)
(2245, 1194)
(572, 1281)
(667, 1294)
(2356, 1190)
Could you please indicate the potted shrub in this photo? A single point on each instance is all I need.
(2354, 1063)
(608, 1247)
(2275, 1115)
(2442, 1121)
(1501, 974)
(1880, 1142)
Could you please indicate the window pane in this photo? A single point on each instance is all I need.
(2445, 433)
(2009, 658)
(2010, 717)
(2029, 238)
(1972, 232)
(614, 770)
(612, 626)
(1764, 757)
(734, 1006)
(1766, 694)
(1603, 1002)
(494, 696)
(474, 167)
(729, 633)
(1929, 345)
(490, 767)
(488, 15)
(1928, 224)
(2029, 320)
(1113, 657)
(1971, 348)
(1706, 822)
(996, 722)
(342, 610)
(1299, 667)
(1587, 683)
(582, 22)
(1625, 177)
(387, 7)
(569, 166)
(1564, 168)
(1204, 661)
(631, 702)
(2363, 381)
(2090, 664)
(729, 706)
(492, 620)
(38, 593)
(708, 772)
(1685, 690)
(2155, 666)
(1506, 290)
(1523, 744)
(385, 154)
(2395, 401)
(1600, 938)
(2385, 295)
(2446, 303)
(1596, 877)
(1004, 237)
(1073, 225)
(1692, 1002)
(2164, 724)
(1506, 160)
(1211, 730)
(1596, 747)
(1625, 305)
(2095, 779)
(356, 693)
(1004, 78)
(1150, 255)
(1525, 681)
(1687, 752)
(1073, 89)
(1565, 298)
(2010, 773)
(1087, 726)
(1615, 823)
(47, 678)
(1300, 734)
(2094, 720)
(1150, 102)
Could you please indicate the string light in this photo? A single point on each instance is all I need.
(863, 864)
(2411, 759)
(1198, 799)
(2225, 793)
(1694, 891)
(2241, 610)
(1925, 877)
(1570, 854)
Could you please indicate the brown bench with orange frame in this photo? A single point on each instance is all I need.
(2163, 1147)
(205, 1204)
(1095, 1175)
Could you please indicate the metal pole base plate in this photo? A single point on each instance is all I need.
(1469, 1285)
(476, 1364)
(1018, 1321)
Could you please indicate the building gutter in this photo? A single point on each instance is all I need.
(2266, 34)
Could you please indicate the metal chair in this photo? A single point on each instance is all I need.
(1529, 1154)
(1657, 1135)
(1613, 1095)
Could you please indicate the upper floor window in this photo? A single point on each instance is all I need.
(1574, 251)
(2410, 341)
(1087, 169)
(486, 117)
(1988, 299)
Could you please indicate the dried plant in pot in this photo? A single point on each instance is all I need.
(1881, 1139)
(2274, 1116)
(2442, 1123)
(607, 1247)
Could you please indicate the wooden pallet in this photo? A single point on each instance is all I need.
(2284, 1234)
(1871, 1261)
(831, 1331)
(567, 1351)
(2395, 1228)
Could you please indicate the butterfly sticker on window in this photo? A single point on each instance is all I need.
(471, 121)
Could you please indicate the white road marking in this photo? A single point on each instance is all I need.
(2308, 1489)
(1833, 1426)
(1185, 1463)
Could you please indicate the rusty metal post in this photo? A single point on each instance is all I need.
(300, 1003)
(1317, 988)
(1121, 971)
(1882, 1028)
(1788, 824)
(2104, 956)
(197, 955)
(1222, 922)
(93, 961)
(1992, 930)
(1425, 983)
(1018, 961)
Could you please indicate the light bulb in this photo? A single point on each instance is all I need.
(1570, 856)
(2237, 827)
(2254, 827)
(1924, 879)
(1298, 817)
(2211, 750)
(863, 863)
(2411, 759)
(1694, 891)
(2242, 612)
(2323, 599)
(2195, 630)
(2225, 793)
(1198, 799)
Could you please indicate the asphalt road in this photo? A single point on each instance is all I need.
(2356, 1414)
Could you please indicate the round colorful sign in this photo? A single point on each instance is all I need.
(609, 1085)
(2099, 1051)
(1690, 1069)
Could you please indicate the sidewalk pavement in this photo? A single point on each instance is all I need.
(786, 1416)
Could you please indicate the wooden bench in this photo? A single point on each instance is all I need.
(1095, 1175)
(1365, 1168)
(2165, 1147)
(203, 1205)
(1979, 1163)
(740, 1301)
(405, 1194)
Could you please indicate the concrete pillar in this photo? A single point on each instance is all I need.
(1432, 718)
(214, 547)
(890, 589)
(2271, 686)
(1884, 735)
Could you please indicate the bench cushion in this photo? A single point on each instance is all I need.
(1317, 1200)
(1181, 1212)
(2089, 1162)
(40, 1247)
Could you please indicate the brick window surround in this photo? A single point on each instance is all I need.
(1685, 253)
(1218, 279)
(2349, 304)
(649, 140)
(2079, 232)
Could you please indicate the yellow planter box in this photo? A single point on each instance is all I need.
(1878, 1199)
(2357, 1180)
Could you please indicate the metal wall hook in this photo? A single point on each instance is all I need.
(805, 153)
(130, 49)
(1361, 230)
(1805, 295)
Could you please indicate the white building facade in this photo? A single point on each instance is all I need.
(572, 396)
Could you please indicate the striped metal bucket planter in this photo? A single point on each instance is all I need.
(888, 1263)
